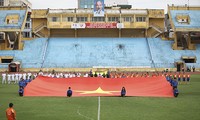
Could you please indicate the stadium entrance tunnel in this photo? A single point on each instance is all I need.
(188, 59)
(14, 67)
(179, 65)
(6, 59)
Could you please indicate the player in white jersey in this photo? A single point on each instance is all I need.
(86, 75)
(35, 75)
(24, 76)
(40, 73)
(29, 75)
(16, 77)
(3, 78)
(66, 75)
(13, 77)
(9, 78)
(20, 76)
(57, 75)
(49, 75)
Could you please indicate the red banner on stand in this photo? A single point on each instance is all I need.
(101, 25)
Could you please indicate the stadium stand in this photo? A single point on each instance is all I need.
(75, 41)
(164, 56)
(97, 52)
(30, 56)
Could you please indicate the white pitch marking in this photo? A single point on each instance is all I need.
(99, 108)
(83, 115)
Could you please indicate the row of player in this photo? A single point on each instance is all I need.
(15, 77)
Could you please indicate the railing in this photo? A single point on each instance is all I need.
(39, 27)
(155, 34)
(156, 27)
(24, 21)
(40, 34)
(44, 53)
(150, 52)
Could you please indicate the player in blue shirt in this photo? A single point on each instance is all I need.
(123, 92)
(174, 84)
(175, 91)
(69, 92)
(21, 91)
(21, 83)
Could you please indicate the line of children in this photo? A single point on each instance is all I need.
(183, 78)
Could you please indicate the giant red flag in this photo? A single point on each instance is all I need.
(140, 86)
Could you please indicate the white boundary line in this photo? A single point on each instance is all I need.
(83, 115)
(99, 108)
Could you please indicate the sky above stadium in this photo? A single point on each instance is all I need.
(154, 4)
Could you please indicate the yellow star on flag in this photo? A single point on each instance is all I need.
(97, 91)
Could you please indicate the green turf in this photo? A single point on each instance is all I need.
(185, 107)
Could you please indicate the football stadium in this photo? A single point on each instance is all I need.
(103, 60)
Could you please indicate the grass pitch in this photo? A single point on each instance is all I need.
(185, 107)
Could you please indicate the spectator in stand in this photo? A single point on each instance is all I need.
(176, 92)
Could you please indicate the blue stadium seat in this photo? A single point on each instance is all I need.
(90, 52)
(99, 52)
